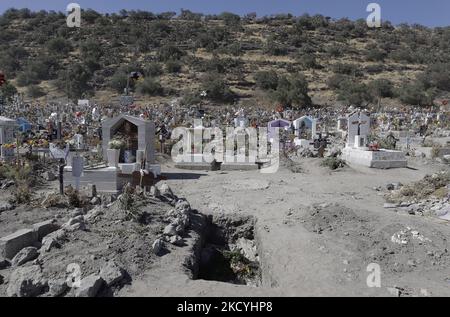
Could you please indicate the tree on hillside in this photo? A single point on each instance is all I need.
(266, 80)
(74, 81)
(292, 91)
(416, 94)
(7, 91)
(216, 88)
(355, 94)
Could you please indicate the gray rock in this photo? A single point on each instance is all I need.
(89, 286)
(13, 243)
(394, 186)
(183, 206)
(176, 240)
(77, 212)
(170, 230)
(27, 281)
(94, 213)
(25, 255)
(96, 201)
(2, 279)
(75, 223)
(182, 221)
(45, 228)
(165, 190)
(157, 246)
(4, 263)
(57, 287)
(54, 239)
(5, 206)
(112, 273)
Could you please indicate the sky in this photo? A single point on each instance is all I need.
(426, 12)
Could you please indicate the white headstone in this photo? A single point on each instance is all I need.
(78, 139)
(358, 125)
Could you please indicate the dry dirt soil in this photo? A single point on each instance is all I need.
(316, 233)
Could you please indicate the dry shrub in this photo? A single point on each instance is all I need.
(22, 193)
(435, 150)
(430, 185)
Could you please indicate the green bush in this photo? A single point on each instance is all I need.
(266, 80)
(153, 69)
(308, 62)
(346, 69)
(274, 48)
(75, 81)
(292, 91)
(335, 81)
(7, 91)
(119, 80)
(415, 94)
(173, 66)
(150, 86)
(382, 88)
(375, 55)
(216, 88)
(169, 52)
(354, 93)
(333, 163)
(34, 91)
(59, 46)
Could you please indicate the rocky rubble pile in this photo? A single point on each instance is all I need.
(95, 250)
(427, 197)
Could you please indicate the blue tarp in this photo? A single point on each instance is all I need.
(24, 125)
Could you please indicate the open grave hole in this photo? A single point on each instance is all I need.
(229, 252)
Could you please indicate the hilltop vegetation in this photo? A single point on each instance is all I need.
(295, 61)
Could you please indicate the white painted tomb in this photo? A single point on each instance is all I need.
(357, 152)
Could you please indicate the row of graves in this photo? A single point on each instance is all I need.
(123, 153)
(303, 132)
(239, 153)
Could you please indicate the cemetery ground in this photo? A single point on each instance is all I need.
(312, 232)
(318, 230)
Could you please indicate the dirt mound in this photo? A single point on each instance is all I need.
(400, 248)
(331, 217)
(430, 185)
(395, 247)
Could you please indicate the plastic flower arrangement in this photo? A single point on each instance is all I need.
(116, 144)
(41, 143)
(9, 146)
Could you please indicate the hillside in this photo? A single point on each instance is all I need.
(251, 60)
